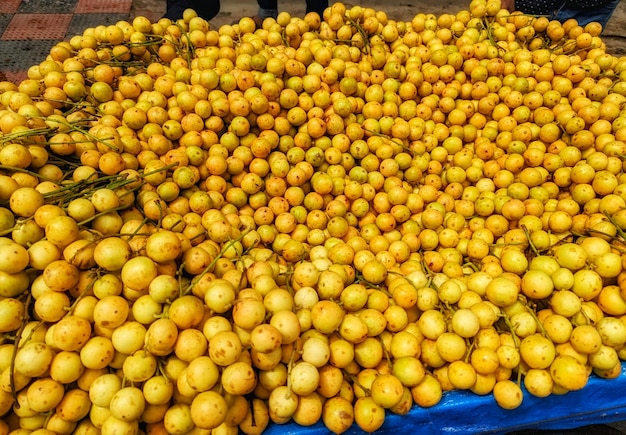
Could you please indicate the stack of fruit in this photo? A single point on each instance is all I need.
(327, 218)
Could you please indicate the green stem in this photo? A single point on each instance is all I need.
(15, 346)
(211, 265)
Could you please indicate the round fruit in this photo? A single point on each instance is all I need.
(313, 218)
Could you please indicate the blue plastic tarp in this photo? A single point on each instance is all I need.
(461, 412)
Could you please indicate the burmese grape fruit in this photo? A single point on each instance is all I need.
(318, 219)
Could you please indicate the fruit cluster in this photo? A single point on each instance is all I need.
(326, 218)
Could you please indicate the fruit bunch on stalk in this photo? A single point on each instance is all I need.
(323, 219)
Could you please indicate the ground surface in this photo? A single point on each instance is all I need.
(231, 10)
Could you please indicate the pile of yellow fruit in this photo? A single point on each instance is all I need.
(327, 218)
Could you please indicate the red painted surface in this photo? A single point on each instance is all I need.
(42, 26)
(100, 6)
(9, 6)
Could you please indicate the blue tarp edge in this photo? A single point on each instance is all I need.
(601, 401)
